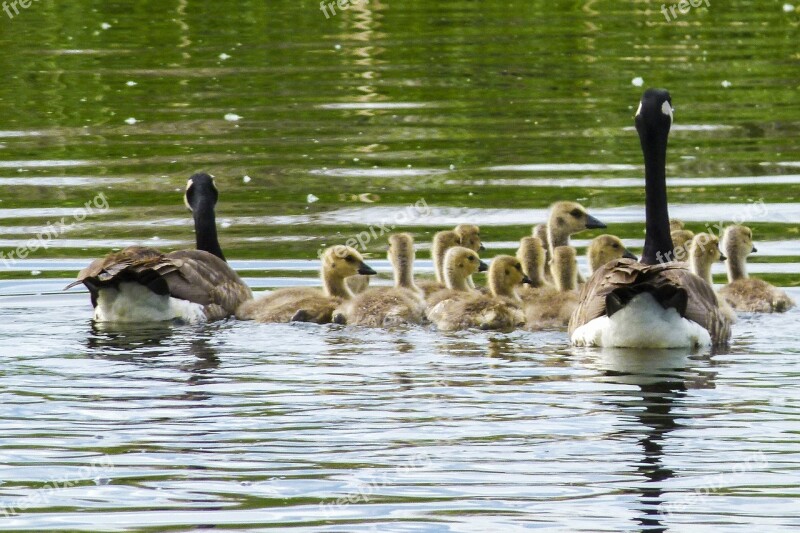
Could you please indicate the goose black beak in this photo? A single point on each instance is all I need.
(482, 266)
(593, 223)
(526, 279)
(366, 270)
(482, 248)
(754, 250)
(629, 255)
(722, 257)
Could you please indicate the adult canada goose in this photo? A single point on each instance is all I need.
(604, 249)
(744, 293)
(703, 253)
(650, 304)
(388, 306)
(499, 311)
(459, 264)
(552, 306)
(442, 242)
(310, 304)
(139, 284)
(681, 239)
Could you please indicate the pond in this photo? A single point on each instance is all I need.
(318, 127)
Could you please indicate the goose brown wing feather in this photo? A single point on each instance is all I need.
(191, 275)
(671, 284)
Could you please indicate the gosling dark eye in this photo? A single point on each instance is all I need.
(616, 246)
(350, 259)
(577, 213)
(470, 258)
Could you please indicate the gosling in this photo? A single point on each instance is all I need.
(704, 251)
(388, 306)
(309, 304)
(551, 307)
(500, 311)
(604, 249)
(744, 293)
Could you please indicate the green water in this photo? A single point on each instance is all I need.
(316, 129)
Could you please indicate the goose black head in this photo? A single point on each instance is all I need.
(654, 116)
(200, 186)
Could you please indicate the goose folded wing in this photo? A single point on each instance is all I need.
(671, 284)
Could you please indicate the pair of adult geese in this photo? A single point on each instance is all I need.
(646, 303)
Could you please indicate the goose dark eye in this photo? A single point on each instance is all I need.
(350, 259)
(470, 258)
(616, 246)
(577, 213)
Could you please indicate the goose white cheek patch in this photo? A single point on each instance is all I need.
(639, 110)
(666, 108)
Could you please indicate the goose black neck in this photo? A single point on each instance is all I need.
(658, 242)
(205, 228)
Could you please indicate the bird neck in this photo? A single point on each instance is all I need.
(657, 242)
(534, 269)
(437, 255)
(565, 278)
(737, 267)
(205, 228)
(334, 285)
(556, 237)
(404, 273)
(455, 281)
(701, 268)
(498, 287)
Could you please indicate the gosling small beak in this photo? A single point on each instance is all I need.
(754, 250)
(482, 266)
(629, 255)
(366, 270)
(722, 257)
(593, 223)
(526, 279)
(482, 248)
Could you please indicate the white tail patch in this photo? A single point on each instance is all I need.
(132, 302)
(643, 323)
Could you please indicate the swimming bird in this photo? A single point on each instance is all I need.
(604, 249)
(703, 253)
(442, 242)
(140, 284)
(551, 306)
(311, 304)
(681, 239)
(652, 303)
(459, 264)
(742, 292)
(469, 236)
(531, 254)
(566, 219)
(388, 306)
(501, 310)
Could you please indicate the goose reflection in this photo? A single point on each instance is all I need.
(662, 378)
